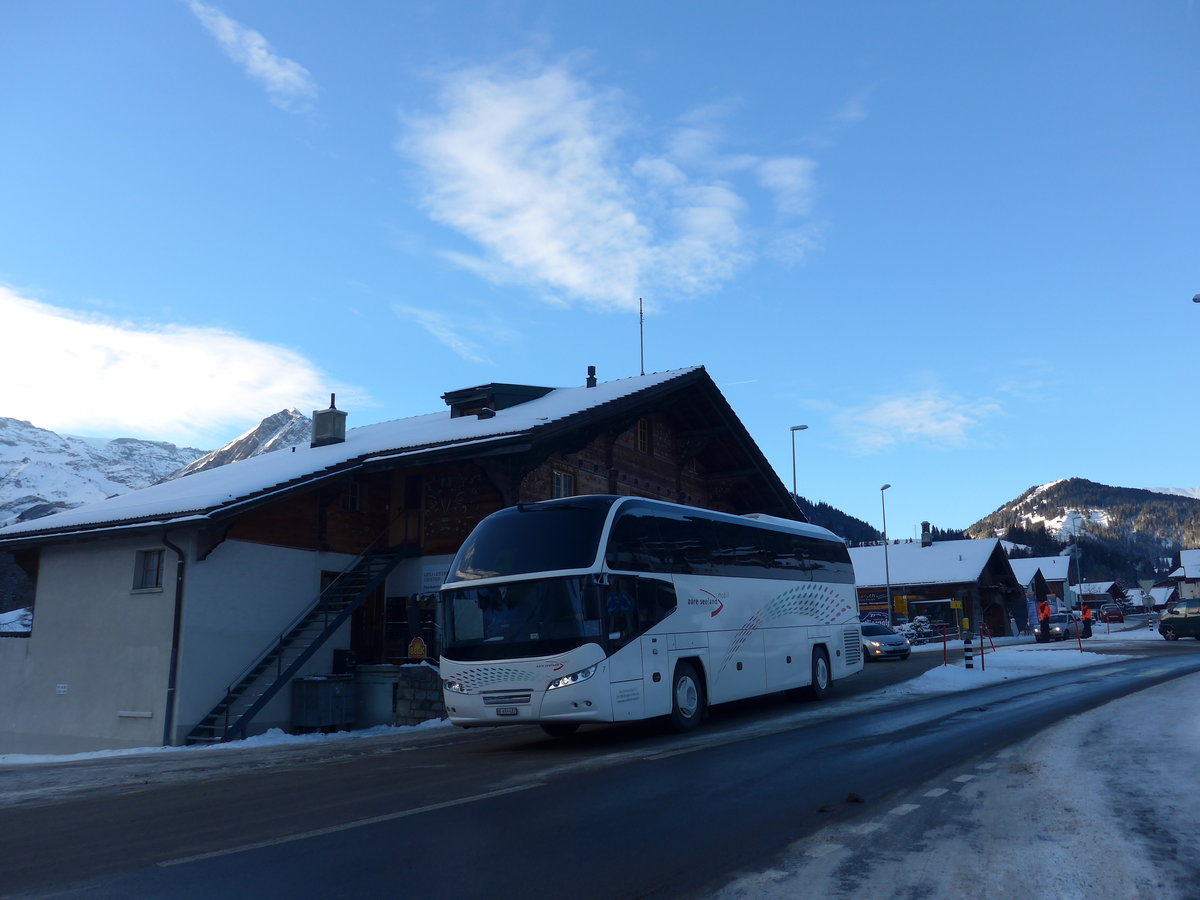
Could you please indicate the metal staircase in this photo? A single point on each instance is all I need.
(275, 666)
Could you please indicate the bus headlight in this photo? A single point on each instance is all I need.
(456, 686)
(573, 678)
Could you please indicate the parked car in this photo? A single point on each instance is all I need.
(1111, 612)
(1062, 626)
(1181, 620)
(882, 642)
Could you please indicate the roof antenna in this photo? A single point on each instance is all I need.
(642, 333)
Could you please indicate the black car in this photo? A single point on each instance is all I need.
(1180, 620)
(881, 642)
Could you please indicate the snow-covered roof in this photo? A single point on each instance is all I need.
(1094, 587)
(195, 495)
(944, 562)
(1189, 565)
(1053, 568)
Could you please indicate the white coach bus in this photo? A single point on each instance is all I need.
(611, 609)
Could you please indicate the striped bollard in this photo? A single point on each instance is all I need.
(967, 650)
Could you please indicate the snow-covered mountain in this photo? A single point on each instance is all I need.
(286, 428)
(1125, 533)
(42, 472)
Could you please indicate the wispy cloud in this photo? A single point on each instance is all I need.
(929, 417)
(855, 108)
(444, 328)
(91, 374)
(533, 166)
(288, 84)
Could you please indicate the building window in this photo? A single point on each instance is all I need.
(352, 497)
(645, 436)
(148, 570)
(563, 486)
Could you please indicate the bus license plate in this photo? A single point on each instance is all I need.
(507, 711)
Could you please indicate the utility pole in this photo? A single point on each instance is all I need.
(642, 334)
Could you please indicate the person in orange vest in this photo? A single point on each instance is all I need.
(1087, 621)
(1044, 621)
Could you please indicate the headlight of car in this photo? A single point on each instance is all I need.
(573, 678)
(456, 686)
(874, 644)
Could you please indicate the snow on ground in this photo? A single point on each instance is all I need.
(1099, 807)
(273, 738)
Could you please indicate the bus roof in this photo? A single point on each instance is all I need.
(614, 500)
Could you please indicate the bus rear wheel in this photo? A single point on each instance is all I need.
(560, 729)
(822, 677)
(687, 698)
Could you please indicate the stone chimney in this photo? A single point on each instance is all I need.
(926, 535)
(591, 376)
(329, 425)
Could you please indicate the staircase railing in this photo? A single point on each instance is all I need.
(332, 607)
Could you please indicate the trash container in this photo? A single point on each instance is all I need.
(322, 702)
(375, 690)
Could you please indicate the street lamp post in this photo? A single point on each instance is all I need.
(887, 574)
(795, 428)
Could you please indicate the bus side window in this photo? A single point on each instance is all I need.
(634, 544)
(656, 601)
(620, 608)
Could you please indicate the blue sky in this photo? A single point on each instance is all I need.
(956, 240)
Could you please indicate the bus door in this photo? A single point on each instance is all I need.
(633, 606)
(656, 600)
(618, 606)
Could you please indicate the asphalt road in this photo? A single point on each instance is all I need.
(624, 811)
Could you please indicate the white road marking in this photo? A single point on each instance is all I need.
(333, 829)
(904, 809)
(986, 766)
(1154, 673)
(867, 828)
(818, 850)
(937, 792)
(963, 779)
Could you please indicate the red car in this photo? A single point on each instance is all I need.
(1111, 613)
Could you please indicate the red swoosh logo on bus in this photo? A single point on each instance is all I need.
(720, 605)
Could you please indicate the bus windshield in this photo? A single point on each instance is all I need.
(538, 617)
(547, 616)
(536, 537)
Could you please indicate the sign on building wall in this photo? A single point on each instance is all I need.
(873, 607)
(433, 577)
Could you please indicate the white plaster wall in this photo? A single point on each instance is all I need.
(110, 645)
(93, 672)
(236, 602)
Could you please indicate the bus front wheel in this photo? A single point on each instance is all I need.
(560, 729)
(822, 677)
(687, 698)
